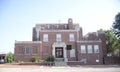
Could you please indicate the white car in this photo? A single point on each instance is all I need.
(2, 60)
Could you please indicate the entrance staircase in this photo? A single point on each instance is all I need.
(60, 62)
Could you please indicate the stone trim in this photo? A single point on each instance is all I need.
(73, 61)
(58, 31)
(40, 24)
(27, 42)
(88, 41)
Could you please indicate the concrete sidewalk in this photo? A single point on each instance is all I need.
(37, 68)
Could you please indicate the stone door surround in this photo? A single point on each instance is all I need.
(60, 44)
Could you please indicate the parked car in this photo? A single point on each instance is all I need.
(2, 61)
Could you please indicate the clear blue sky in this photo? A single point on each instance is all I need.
(17, 17)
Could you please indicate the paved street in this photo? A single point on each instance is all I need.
(86, 68)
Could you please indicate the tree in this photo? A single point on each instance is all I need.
(9, 57)
(116, 26)
(112, 43)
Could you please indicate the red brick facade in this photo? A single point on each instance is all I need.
(48, 37)
(35, 50)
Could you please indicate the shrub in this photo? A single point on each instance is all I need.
(49, 59)
(35, 59)
(19, 62)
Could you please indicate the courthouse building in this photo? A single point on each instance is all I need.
(63, 41)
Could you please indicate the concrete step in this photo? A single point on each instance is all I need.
(59, 59)
(60, 63)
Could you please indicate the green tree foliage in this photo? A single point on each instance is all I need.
(9, 57)
(116, 26)
(112, 43)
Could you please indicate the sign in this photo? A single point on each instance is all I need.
(97, 60)
(68, 47)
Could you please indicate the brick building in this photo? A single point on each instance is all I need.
(63, 41)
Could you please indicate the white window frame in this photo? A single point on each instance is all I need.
(57, 26)
(72, 53)
(45, 37)
(27, 52)
(65, 25)
(82, 49)
(96, 49)
(89, 49)
(71, 37)
(58, 37)
(48, 26)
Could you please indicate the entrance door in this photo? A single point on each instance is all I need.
(59, 52)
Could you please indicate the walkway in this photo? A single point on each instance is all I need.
(36, 68)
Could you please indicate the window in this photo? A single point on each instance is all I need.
(57, 26)
(83, 49)
(27, 50)
(58, 37)
(71, 37)
(89, 47)
(65, 25)
(45, 37)
(72, 53)
(96, 49)
(48, 26)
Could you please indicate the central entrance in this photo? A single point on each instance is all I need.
(59, 52)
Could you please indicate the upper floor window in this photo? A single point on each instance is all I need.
(83, 49)
(71, 37)
(58, 37)
(65, 25)
(45, 37)
(96, 49)
(48, 26)
(27, 50)
(57, 26)
(89, 48)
